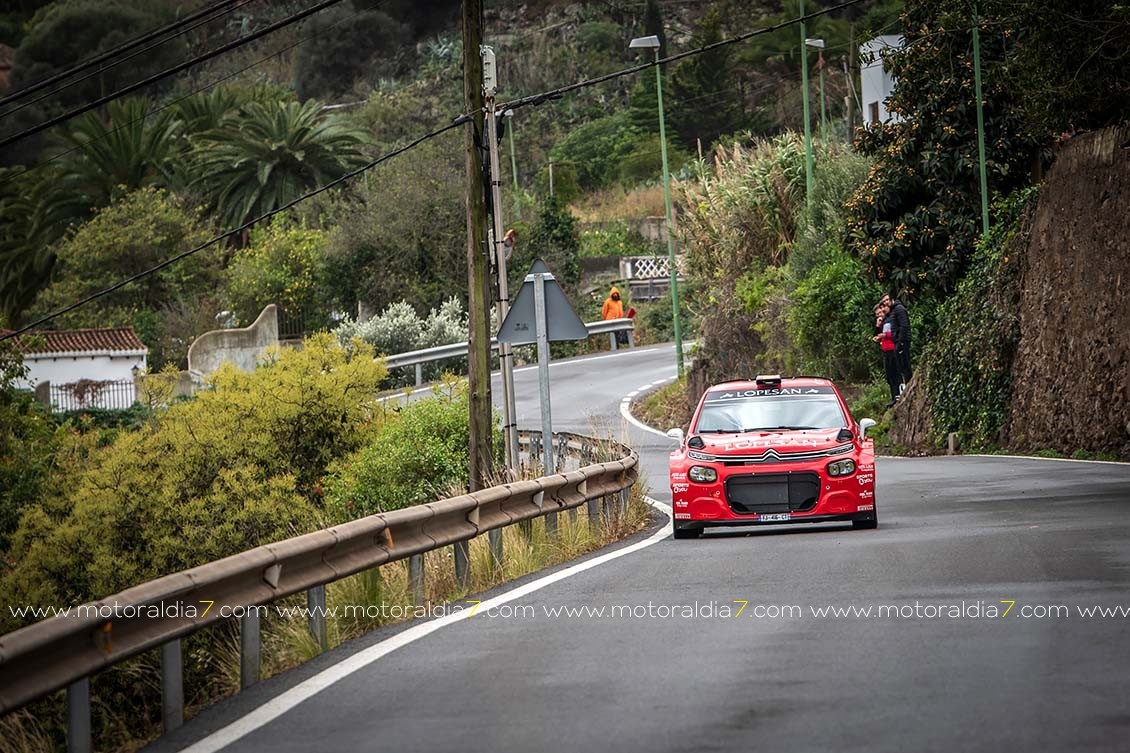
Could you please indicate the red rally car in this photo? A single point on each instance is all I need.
(771, 451)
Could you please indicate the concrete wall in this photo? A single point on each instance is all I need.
(242, 347)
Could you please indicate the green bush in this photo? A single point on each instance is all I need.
(595, 149)
(831, 319)
(419, 456)
(644, 161)
(616, 239)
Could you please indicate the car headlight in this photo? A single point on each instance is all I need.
(841, 467)
(702, 475)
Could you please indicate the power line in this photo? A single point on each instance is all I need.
(220, 6)
(294, 18)
(98, 71)
(457, 122)
(537, 99)
(183, 97)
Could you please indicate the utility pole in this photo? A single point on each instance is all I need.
(513, 162)
(478, 289)
(980, 122)
(807, 124)
(505, 355)
(848, 76)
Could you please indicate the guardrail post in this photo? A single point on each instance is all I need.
(172, 685)
(416, 578)
(78, 716)
(419, 374)
(612, 339)
(593, 508)
(316, 608)
(631, 338)
(462, 563)
(494, 537)
(625, 498)
(249, 648)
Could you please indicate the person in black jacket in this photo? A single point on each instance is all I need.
(900, 330)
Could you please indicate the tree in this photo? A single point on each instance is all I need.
(704, 89)
(916, 217)
(346, 44)
(142, 229)
(108, 157)
(555, 240)
(27, 444)
(64, 34)
(269, 153)
(283, 263)
(402, 235)
(644, 103)
(595, 148)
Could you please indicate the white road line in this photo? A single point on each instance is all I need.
(287, 700)
(1037, 457)
(626, 411)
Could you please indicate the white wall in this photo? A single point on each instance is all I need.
(61, 370)
(875, 82)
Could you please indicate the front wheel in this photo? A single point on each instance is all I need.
(687, 533)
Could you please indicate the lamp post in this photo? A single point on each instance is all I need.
(819, 45)
(652, 43)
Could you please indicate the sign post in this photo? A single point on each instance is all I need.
(542, 314)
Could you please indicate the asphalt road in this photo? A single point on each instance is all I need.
(983, 531)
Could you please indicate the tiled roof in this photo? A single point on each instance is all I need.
(83, 340)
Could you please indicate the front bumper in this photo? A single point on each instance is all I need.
(838, 498)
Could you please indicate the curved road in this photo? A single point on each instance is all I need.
(980, 531)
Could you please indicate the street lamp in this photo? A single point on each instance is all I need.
(819, 45)
(652, 43)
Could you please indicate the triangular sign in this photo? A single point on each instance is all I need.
(519, 327)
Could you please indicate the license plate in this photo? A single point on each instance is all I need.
(772, 517)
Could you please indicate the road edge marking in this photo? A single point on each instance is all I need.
(288, 699)
(626, 406)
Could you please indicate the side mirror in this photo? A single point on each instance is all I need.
(864, 425)
(677, 435)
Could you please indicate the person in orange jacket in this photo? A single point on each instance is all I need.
(613, 307)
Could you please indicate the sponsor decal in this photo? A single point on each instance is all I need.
(680, 488)
(682, 516)
(681, 503)
(770, 392)
(865, 508)
(867, 494)
(865, 478)
(867, 468)
(678, 477)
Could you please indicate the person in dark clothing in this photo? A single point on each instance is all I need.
(887, 346)
(900, 331)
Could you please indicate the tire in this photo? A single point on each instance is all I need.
(687, 533)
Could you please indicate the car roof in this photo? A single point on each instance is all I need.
(751, 384)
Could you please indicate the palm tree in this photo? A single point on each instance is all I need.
(269, 153)
(105, 158)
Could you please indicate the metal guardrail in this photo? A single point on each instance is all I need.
(64, 651)
(418, 358)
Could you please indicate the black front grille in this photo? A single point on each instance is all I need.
(773, 492)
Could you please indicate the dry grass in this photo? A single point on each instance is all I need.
(618, 204)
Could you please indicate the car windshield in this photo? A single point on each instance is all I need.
(770, 410)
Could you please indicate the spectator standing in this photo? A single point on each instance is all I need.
(614, 309)
(886, 341)
(900, 331)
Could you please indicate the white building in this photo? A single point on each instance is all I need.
(876, 82)
(86, 368)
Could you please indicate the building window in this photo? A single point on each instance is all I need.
(874, 108)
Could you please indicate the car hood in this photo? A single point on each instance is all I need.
(783, 442)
